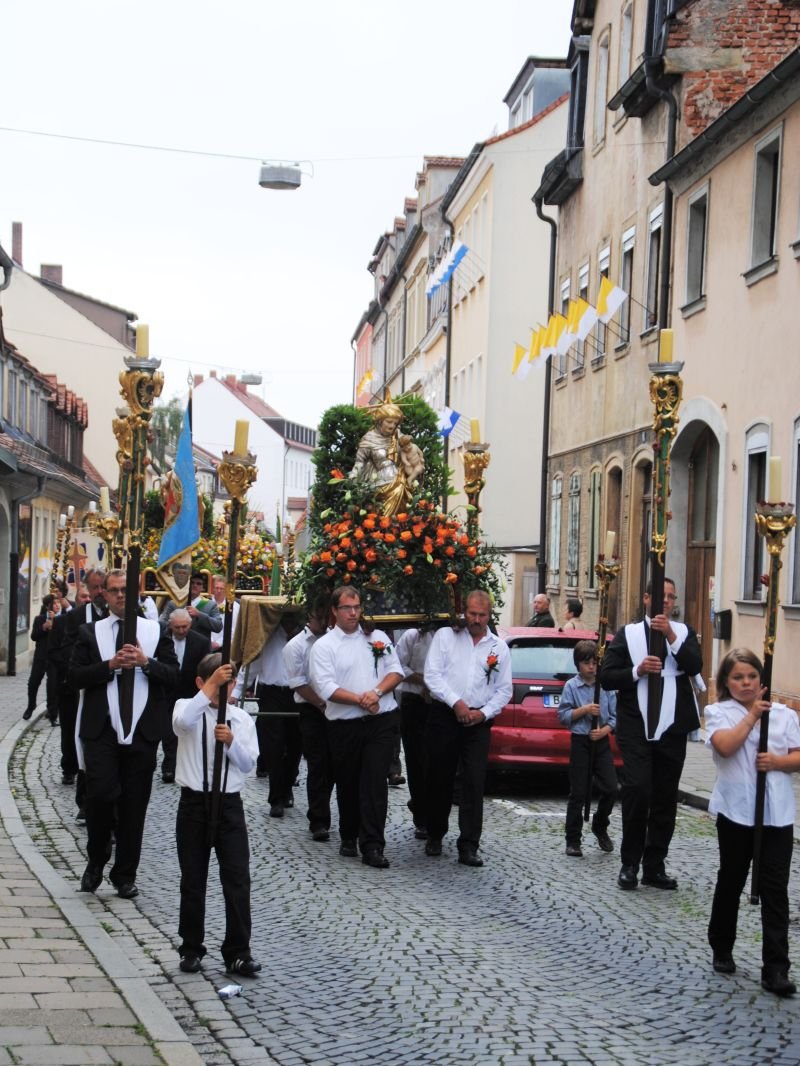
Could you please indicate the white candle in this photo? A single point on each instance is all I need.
(92, 507)
(774, 483)
(143, 342)
(611, 540)
(62, 521)
(240, 437)
(70, 511)
(105, 503)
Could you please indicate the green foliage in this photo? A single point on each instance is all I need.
(166, 423)
(153, 512)
(206, 517)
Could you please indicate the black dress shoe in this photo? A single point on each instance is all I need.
(604, 841)
(420, 832)
(627, 879)
(779, 984)
(433, 847)
(375, 858)
(723, 962)
(348, 849)
(127, 890)
(289, 801)
(276, 810)
(320, 835)
(190, 963)
(168, 777)
(396, 780)
(27, 714)
(261, 773)
(245, 967)
(469, 857)
(68, 779)
(575, 850)
(92, 878)
(659, 880)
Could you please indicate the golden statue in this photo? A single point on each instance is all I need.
(388, 460)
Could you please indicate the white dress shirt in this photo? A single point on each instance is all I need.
(216, 638)
(187, 723)
(346, 660)
(295, 660)
(456, 670)
(268, 667)
(412, 651)
(180, 647)
(734, 793)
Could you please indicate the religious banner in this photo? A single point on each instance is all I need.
(181, 519)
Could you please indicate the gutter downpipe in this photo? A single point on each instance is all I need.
(403, 338)
(548, 377)
(13, 571)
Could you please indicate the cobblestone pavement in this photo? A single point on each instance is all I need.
(536, 958)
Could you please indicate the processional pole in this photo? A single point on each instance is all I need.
(607, 569)
(238, 472)
(666, 391)
(774, 521)
(140, 385)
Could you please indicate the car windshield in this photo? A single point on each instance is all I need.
(542, 660)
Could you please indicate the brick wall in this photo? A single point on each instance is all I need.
(734, 44)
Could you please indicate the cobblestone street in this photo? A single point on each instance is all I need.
(536, 958)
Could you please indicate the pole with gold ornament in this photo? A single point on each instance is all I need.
(238, 471)
(666, 392)
(476, 458)
(607, 569)
(59, 549)
(105, 523)
(140, 385)
(774, 522)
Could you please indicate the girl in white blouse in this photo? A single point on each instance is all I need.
(733, 726)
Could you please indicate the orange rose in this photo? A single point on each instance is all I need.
(390, 538)
(401, 553)
(451, 578)
(370, 555)
(472, 551)
(408, 569)
(402, 517)
(368, 523)
(406, 534)
(345, 542)
(330, 571)
(340, 557)
(385, 522)
(325, 557)
(346, 579)
(358, 533)
(351, 564)
(450, 550)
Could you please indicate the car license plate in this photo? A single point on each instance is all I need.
(551, 701)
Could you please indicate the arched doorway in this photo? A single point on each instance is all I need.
(701, 548)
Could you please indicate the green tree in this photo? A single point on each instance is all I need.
(166, 424)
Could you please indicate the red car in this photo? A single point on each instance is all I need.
(527, 731)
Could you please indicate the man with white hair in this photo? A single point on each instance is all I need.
(190, 647)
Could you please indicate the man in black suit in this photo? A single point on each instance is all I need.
(653, 765)
(119, 755)
(190, 647)
(542, 618)
(203, 609)
(90, 606)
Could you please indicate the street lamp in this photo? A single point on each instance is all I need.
(281, 175)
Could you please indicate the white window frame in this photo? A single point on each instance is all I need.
(655, 232)
(583, 293)
(601, 330)
(628, 251)
(766, 198)
(757, 444)
(601, 88)
(573, 530)
(696, 245)
(556, 491)
(595, 519)
(564, 294)
(625, 43)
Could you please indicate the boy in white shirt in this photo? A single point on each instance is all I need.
(195, 724)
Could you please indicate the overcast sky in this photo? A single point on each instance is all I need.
(226, 274)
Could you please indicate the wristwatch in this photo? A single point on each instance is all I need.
(378, 692)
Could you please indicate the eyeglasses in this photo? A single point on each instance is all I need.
(355, 607)
(115, 592)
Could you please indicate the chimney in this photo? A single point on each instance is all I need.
(230, 380)
(213, 374)
(198, 380)
(51, 272)
(16, 242)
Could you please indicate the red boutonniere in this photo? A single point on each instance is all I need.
(379, 649)
(491, 666)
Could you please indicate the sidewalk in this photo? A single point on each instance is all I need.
(68, 993)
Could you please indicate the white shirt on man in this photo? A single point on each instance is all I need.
(296, 656)
(734, 793)
(187, 723)
(458, 669)
(349, 661)
(412, 651)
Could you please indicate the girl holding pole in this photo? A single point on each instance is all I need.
(734, 740)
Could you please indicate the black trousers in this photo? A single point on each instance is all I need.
(169, 745)
(735, 856)
(414, 712)
(67, 717)
(649, 793)
(118, 781)
(279, 744)
(448, 744)
(361, 750)
(233, 856)
(37, 674)
(319, 766)
(580, 752)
